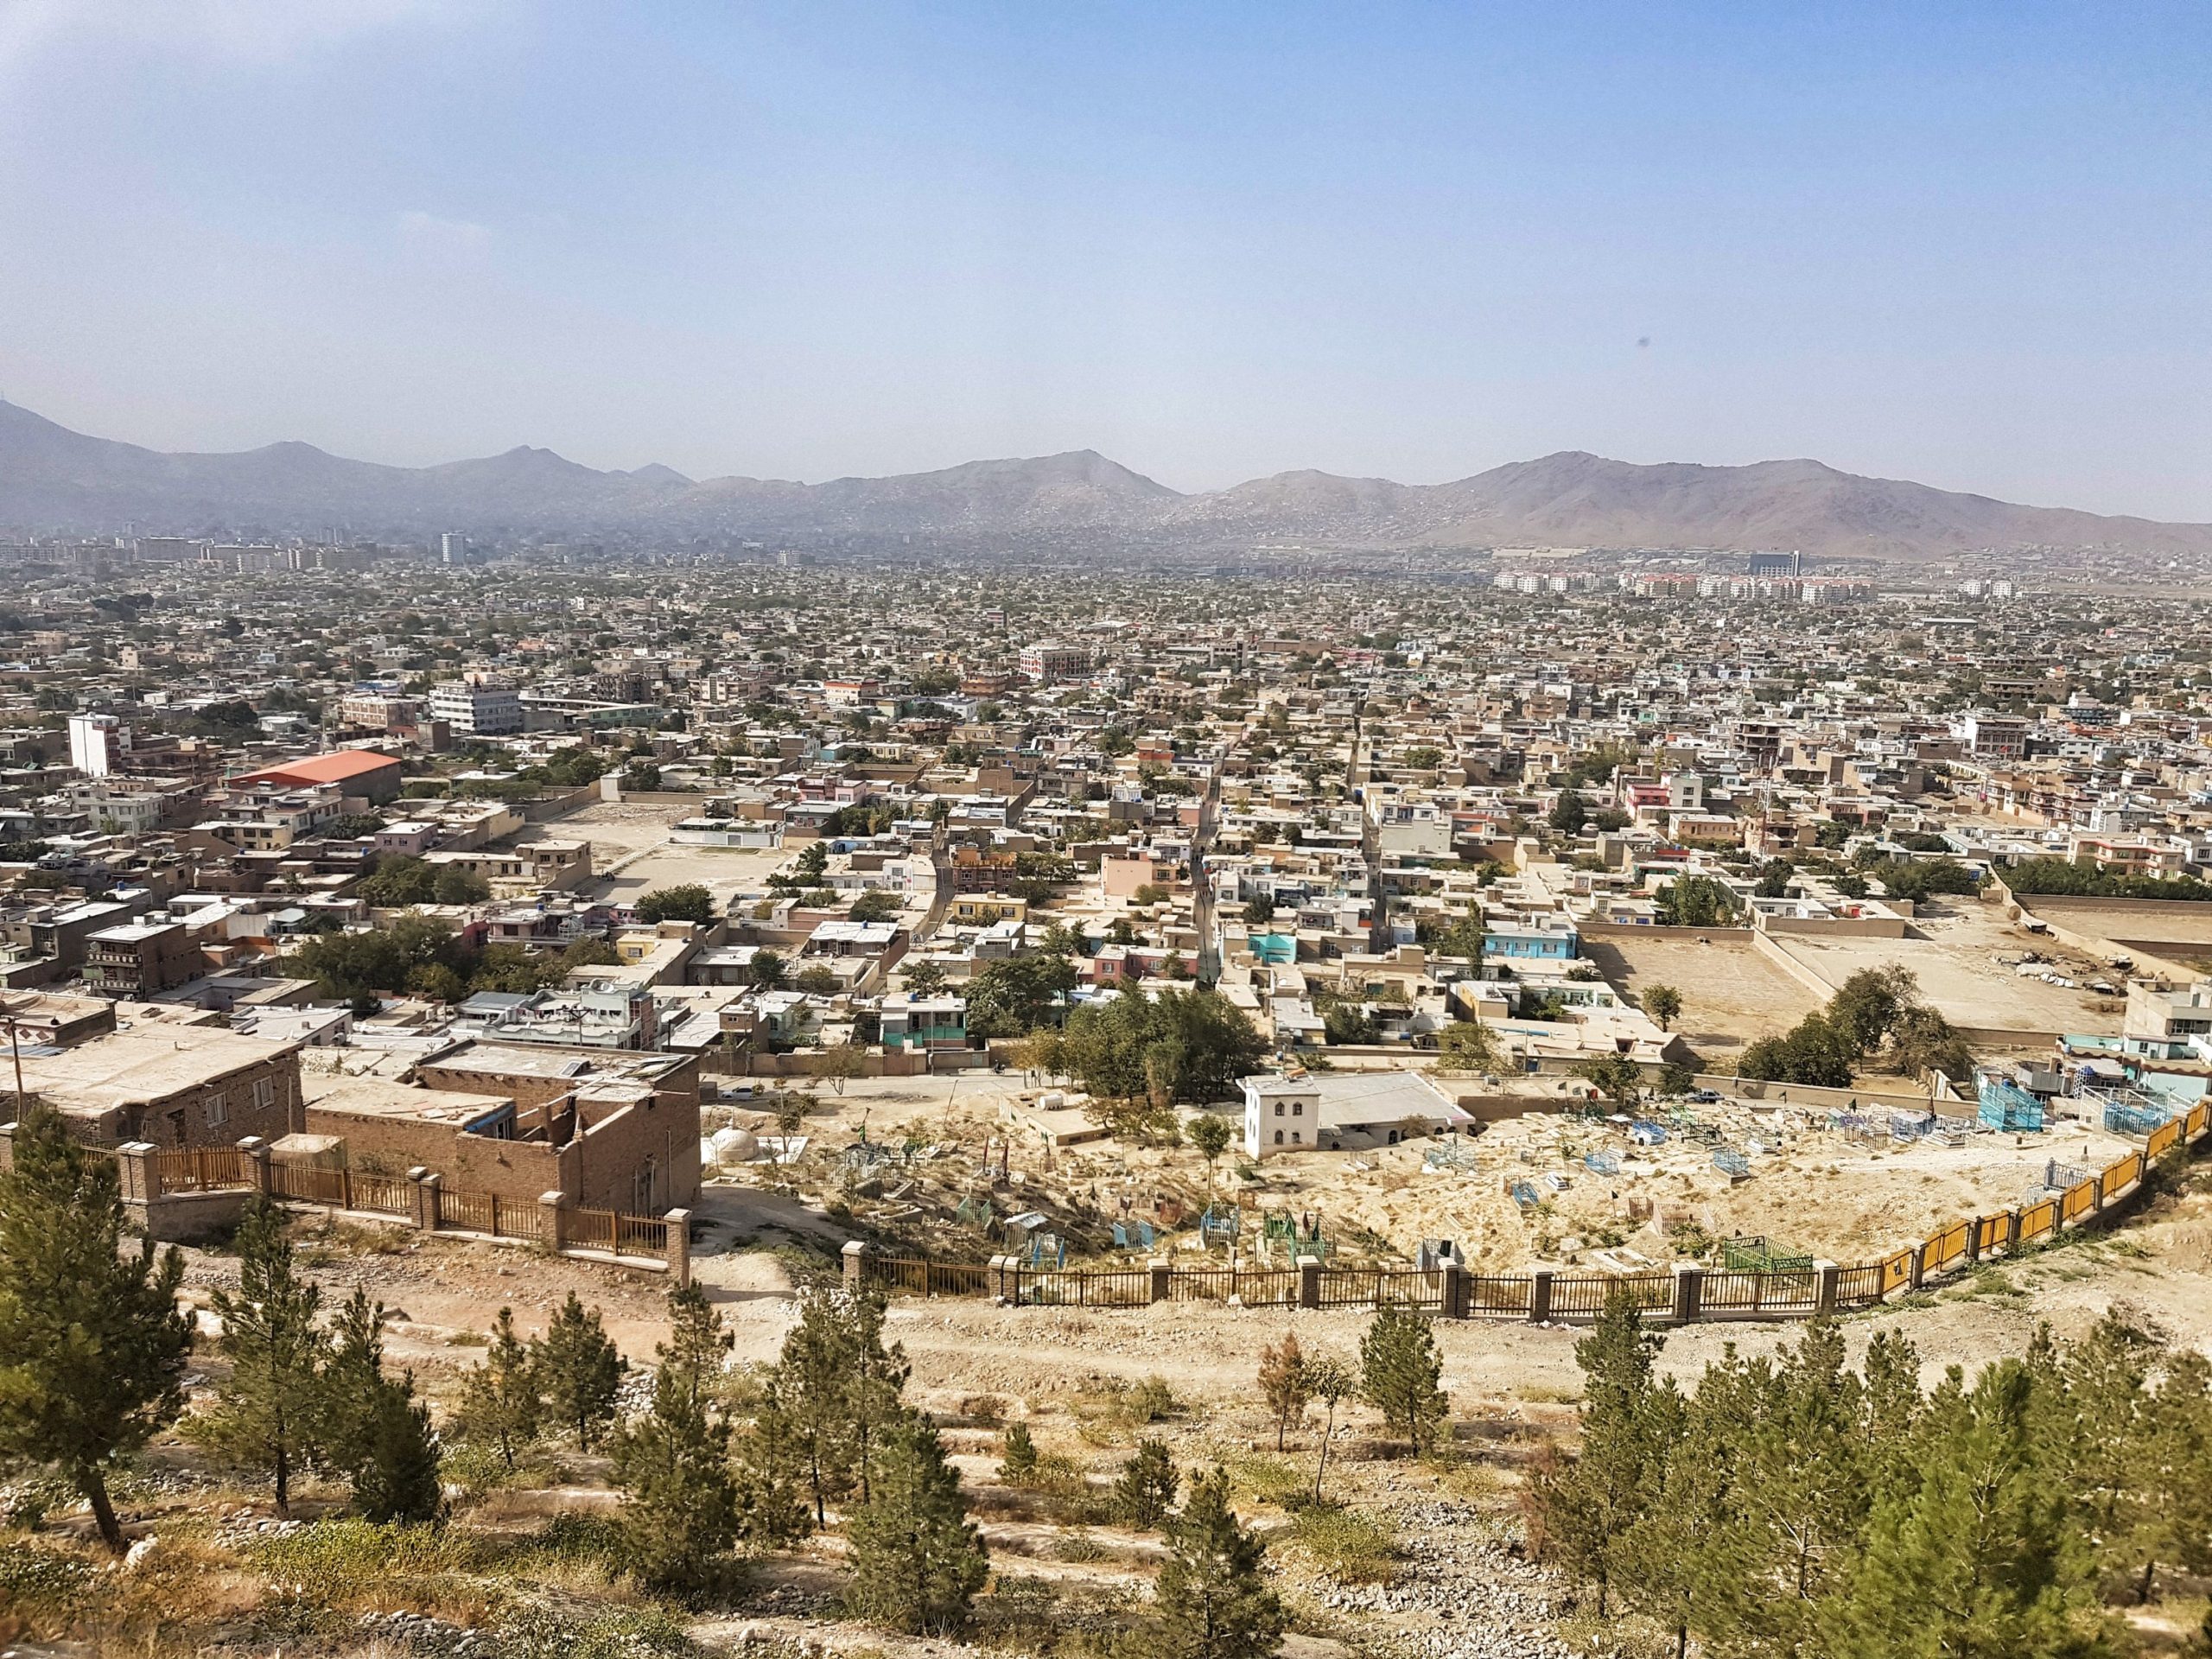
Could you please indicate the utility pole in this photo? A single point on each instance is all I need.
(15, 1053)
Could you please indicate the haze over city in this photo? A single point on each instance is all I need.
(1964, 246)
(1074, 831)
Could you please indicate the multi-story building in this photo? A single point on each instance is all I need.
(1045, 663)
(139, 959)
(478, 707)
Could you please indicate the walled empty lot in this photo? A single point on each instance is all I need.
(1955, 959)
(633, 834)
(1731, 992)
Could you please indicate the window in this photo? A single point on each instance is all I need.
(218, 1110)
(1278, 1133)
(1295, 1137)
(1278, 1108)
(264, 1093)
(1298, 1109)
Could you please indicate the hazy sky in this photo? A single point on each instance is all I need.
(1968, 243)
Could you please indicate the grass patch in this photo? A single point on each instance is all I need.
(1350, 1545)
(1270, 1480)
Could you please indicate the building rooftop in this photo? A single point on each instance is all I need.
(128, 1068)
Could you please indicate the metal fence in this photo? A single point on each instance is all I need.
(1374, 1287)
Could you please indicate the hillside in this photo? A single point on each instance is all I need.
(52, 479)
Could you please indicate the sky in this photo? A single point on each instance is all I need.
(1966, 243)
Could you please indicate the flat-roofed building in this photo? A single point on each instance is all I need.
(173, 1085)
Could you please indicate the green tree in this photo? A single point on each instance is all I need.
(266, 1415)
(1400, 1371)
(1696, 901)
(803, 1411)
(373, 1428)
(1329, 1380)
(687, 902)
(917, 1560)
(92, 1343)
(1590, 1505)
(1467, 1045)
(1186, 1046)
(1211, 1601)
(680, 1512)
(1144, 1493)
(1464, 938)
(1210, 1134)
(874, 906)
(924, 979)
(768, 971)
(1664, 1004)
(580, 1371)
(1616, 1076)
(1981, 1560)
(1017, 1455)
(502, 1403)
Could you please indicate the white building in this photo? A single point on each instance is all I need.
(1335, 1111)
(95, 743)
(477, 708)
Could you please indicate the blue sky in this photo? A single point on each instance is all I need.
(1968, 243)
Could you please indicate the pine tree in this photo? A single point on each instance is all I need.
(579, 1369)
(1017, 1455)
(917, 1560)
(500, 1403)
(804, 1409)
(1399, 1370)
(681, 1511)
(875, 1383)
(1982, 1561)
(373, 1426)
(1145, 1493)
(268, 1413)
(1211, 1601)
(1282, 1383)
(93, 1344)
(1589, 1504)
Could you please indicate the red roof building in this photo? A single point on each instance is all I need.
(359, 772)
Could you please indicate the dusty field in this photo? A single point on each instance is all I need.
(1730, 993)
(630, 848)
(1960, 976)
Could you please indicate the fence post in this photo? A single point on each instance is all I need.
(1689, 1292)
(426, 1199)
(549, 1220)
(678, 1246)
(141, 1175)
(1973, 1240)
(2097, 1197)
(1006, 1279)
(1828, 1278)
(255, 1150)
(855, 1253)
(1159, 1267)
(2012, 1230)
(1917, 1266)
(1454, 1298)
(1540, 1296)
(1309, 1281)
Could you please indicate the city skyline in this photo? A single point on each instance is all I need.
(829, 242)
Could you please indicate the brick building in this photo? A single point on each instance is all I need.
(172, 1085)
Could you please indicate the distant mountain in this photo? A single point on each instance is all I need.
(52, 479)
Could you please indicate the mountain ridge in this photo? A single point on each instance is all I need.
(54, 478)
